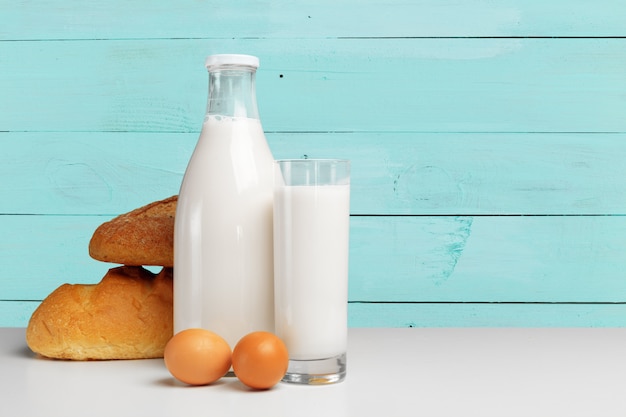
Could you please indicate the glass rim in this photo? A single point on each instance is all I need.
(328, 160)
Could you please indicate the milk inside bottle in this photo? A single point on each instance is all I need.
(223, 247)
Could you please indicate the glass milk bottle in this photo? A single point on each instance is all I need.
(223, 248)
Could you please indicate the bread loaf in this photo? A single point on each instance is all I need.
(144, 236)
(128, 315)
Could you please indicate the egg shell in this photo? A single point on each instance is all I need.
(197, 356)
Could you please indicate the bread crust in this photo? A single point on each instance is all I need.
(128, 315)
(144, 236)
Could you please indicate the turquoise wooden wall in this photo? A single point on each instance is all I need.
(488, 142)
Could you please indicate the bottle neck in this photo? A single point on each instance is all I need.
(232, 93)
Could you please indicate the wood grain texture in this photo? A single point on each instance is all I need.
(392, 259)
(488, 259)
(17, 313)
(39, 253)
(487, 141)
(116, 19)
(424, 85)
(110, 173)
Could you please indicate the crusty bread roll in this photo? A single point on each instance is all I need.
(144, 236)
(128, 315)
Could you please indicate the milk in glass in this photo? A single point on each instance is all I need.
(311, 305)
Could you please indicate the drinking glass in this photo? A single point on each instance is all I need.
(311, 242)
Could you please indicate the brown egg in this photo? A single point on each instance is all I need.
(197, 356)
(260, 360)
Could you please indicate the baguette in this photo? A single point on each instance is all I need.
(142, 237)
(128, 315)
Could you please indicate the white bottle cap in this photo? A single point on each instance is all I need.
(220, 60)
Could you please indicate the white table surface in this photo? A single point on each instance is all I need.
(391, 372)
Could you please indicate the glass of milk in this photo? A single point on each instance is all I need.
(311, 239)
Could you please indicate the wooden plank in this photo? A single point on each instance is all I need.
(108, 173)
(39, 253)
(90, 173)
(487, 259)
(428, 85)
(73, 19)
(17, 314)
(393, 259)
(486, 315)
